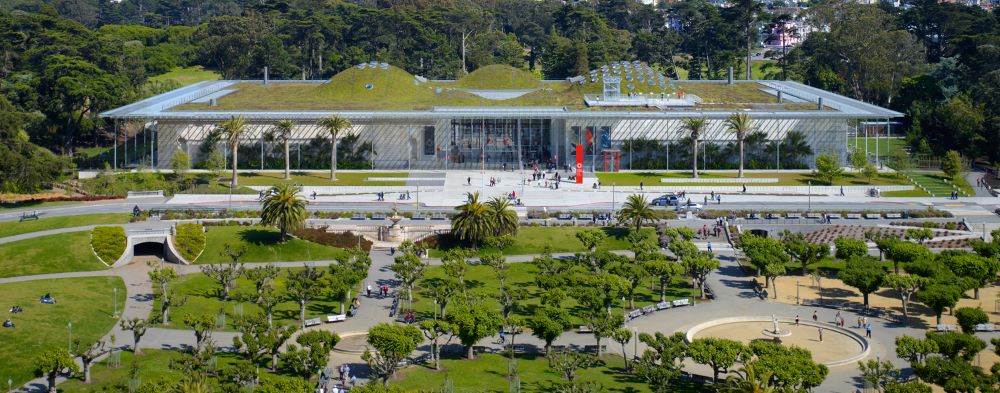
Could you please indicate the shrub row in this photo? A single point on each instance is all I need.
(189, 238)
(543, 214)
(343, 239)
(929, 213)
(203, 214)
(952, 225)
(108, 243)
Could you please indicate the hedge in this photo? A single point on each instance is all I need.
(189, 238)
(108, 243)
(342, 239)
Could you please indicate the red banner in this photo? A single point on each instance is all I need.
(579, 164)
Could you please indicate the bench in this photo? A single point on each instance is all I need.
(634, 314)
(946, 328)
(26, 217)
(648, 309)
(517, 348)
(418, 216)
(986, 327)
(336, 318)
(813, 216)
(794, 216)
(681, 302)
(564, 216)
(585, 217)
(772, 216)
(753, 216)
(593, 348)
(853, 216)
(663, 305)
(482, 349)
(872, 216)
(313, 322)
(438, 216)
(892, 216)
(359, 216)
(557, 348)
(378, 216)
(833, 216)
(584, 329)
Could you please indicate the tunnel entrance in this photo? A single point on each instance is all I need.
(758, 232)
(148, 251)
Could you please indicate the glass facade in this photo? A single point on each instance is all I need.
(499, 142)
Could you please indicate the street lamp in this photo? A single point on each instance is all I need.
(114, 313)
(796, 291)
(69, 347)
(810, 195)
(9, 382)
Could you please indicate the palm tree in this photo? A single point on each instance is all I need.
(284, 131)
(284, 208)
(741, 125)
(472, 221)
(334, 124)
(695, 126)
(749, 380)
(233, 129)
(503, 217)
(636, 211)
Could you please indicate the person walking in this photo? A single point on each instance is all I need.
(868, 330)
(796, 320)
(820, 334)
(640, 186)
(709, 246)
(369, 290)
(815, 317)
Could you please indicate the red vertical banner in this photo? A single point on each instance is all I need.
(579, 164)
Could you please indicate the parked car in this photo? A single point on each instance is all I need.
(690, 206)
(665, 200)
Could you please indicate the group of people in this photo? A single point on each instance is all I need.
(383, 290)
(839, 321)
(982, 183)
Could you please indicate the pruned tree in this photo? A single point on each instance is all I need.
(313, 354)
(302, 286)
(591, 238)
(864, 274)
(720, 354)
(905, 285)
(472, 321)
(408, 269)
(661, 363)
(226, 274)
(392, 344)
(88, 353)
(50, 364)
(161, 278)
(261, 277)
(434, 331)
(202, 325)
(698, 266)
(259, 338)
(664, 271)
(568, 362)
(622, 335)
(138, 328)
(547, 324)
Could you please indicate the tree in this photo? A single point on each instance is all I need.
(180, 163)
(978, 269)
(878, 374)
(233, 129)
(408, 269)
(51, 363)
(864, 274)
(88, 354)
(472, 321)
(622, 336)
(503, 218)
(938, 297)
(284, 208)
(284, 131)
(454, 265)
(661, 363)
(827, 168)
(434, 330)
(591, 238)
(301, 286)
(920, 235)
(767, 255)
(633, 273)
(567, 363)
(664, 270)
(227, 274)
(718, 353)
(161, 278)
(913, 349)
(698, 266)
(805, 252)
(392, 344)
(900, 252)
(905, 286)
(791, 368)
(869, 171)
(334, 125)
(138, 328)
(636, 211)
(848, 248)
(742, 125)
(472, 222)
(261, 277)
(857, 158)
(952, 164)
(954, 345)
(750, 378)
(547, 324)
(440, 289)
(908, 387)
(315, 351)
(969, 317)
(202, 325)
(694, 126)
(259, 338)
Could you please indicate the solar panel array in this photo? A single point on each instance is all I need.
(635, 72)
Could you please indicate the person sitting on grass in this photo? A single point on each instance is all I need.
(8, 323)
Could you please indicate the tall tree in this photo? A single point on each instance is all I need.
(51, 363)
(503, 218)
(636, 211)
(392, 344)
(88, 354)
(301, 286)
(864, 274)
(434, 331)
(547, 324)
(905, 285)
(284, 131)
(138, 328)
(226, 274)
(718, 353)
(334, 125)
(472, 221)
(161, 278)
(283, 207)
(694, 126)
(233, 129)
(472, 321)
(740, 123)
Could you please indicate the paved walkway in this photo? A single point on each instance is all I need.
(972, 178)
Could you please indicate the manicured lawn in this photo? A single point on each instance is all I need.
(86, 302)
(488, 373)
(522, 274)
(187, 76)
(321, 178)
(533, 240)
(262, 245)
(203, 299)
(784, 178)
(42, 224)
(886, 146)
(154, 370)
(65, 252)
(722, 93)
(936, 185)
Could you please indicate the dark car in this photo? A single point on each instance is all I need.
(665, 200)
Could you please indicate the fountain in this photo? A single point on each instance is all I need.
(395, 231)
(776, 333)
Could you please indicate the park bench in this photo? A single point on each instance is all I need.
(313, 322)
(482, 349)
(438, 216)
(773, 216)
(795, 216)
(518, 348)
(853, 216)
(946, 328)
(681, 302)
(986, 327)
(418, 216)
(593, 348)
(359, 216)
(584, 329)
(809, 302)
(833, 216)
(893, 216)
(662, 305)
(422, 359)
(753, 216)
(634, 314)
(336, 318)
(648, 309)
(812, 216)
(557, 348)
(378, 216)
(26, 216)
(565, 216)
(585, 217)
(872, 216)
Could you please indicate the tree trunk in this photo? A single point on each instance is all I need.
(774, 286)
(625, 357)
(975, 293)
(274, 361)
(865, 295)
(694, 157)
(741, 161)
(631, 302)
(938, 315)
(135, 345)
(548, 348)
(437, 356)
(166, 313)
(599, 346)
(235, 149)
(302, 313)
(52, 381)
(905, 314)
(288, 174)
(333, 158)
(663, 289)
(86, 372)
(470, 353)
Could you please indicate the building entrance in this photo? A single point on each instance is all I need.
(493, 143)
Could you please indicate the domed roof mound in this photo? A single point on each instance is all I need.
(375, 79)
(499, 76)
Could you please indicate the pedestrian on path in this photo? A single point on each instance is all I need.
(369, 290)
(815, 317)
(859, 322)
(709, 246)
(640, 186)
(821, 334)
(354, 381)
(868, 330)
(796, 320)
(836, 318)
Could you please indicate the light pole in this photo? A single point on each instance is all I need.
(810, 195)
(635, 342)
(114, 313)
(69, 346)
(435, 309)
(796, 291)
(9, 381)
(612, 198)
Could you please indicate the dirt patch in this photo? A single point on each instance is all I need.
(835, 346)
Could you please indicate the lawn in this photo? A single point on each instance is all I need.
(262, 245)
(488, 373)
(522, 274)
(154, 369)
(533, 240)
(936, 185)
(886, 146)
(65, 252)
(722, 93)
(86, 302)
(784, 178)
(321, 178)
(187, 76)
(203, 298)
(46, 223)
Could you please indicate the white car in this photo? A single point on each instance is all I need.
(692, 206)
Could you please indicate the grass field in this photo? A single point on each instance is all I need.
(935, 183)
(154, 370)
(722, 93)
(886, 146)
(65, 252)
(488, 373)
(533, 240)
(187, 76)
(784, 178)
(42, 224)
(321, 178)
(522, 274)
(262, 246)
(86, 302)
(203, 299)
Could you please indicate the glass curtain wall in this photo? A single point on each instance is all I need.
(493, 143)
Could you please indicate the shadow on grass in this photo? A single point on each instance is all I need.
(260, 237)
